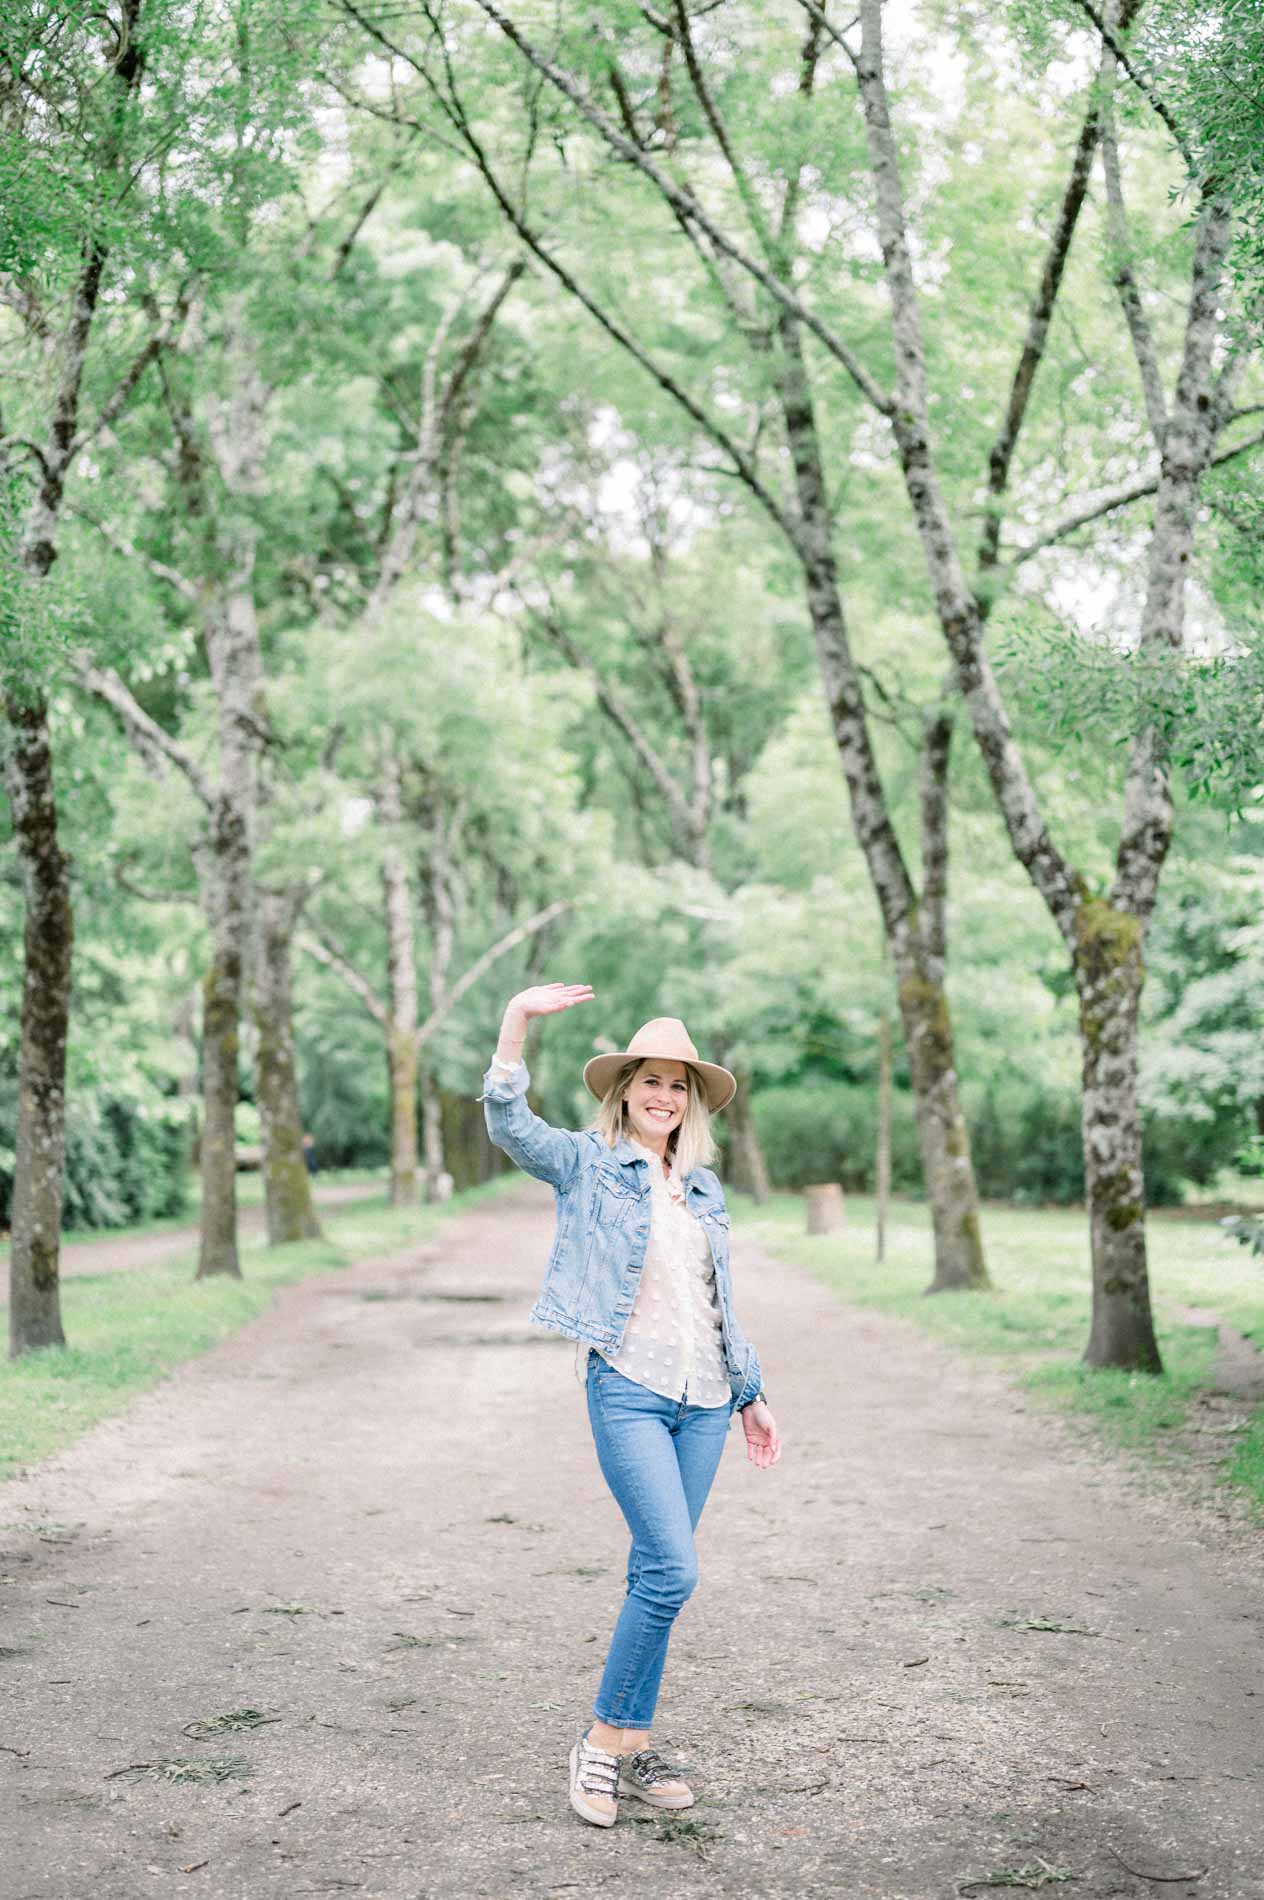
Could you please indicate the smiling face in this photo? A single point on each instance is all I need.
(656, 1098)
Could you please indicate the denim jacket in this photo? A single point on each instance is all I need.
(603, 1226)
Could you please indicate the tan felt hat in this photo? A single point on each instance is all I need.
(667, 1039)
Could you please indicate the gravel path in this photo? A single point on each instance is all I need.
(375, 1517)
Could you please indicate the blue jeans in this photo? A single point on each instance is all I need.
(659, 1457)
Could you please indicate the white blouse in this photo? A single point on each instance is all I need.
(673, 1343)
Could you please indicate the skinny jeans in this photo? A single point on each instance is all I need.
(659, 1457)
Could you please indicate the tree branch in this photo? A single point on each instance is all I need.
(955, 603)
(321, 952)
(509, 941)
(1120, 498)
(159, 569)
(1001, 456)
(688, 206)
(619, 715)
(155, 746)
(1111, 40)
(742, 465)
(121, 395)
(1124, 280)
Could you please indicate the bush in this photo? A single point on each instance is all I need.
(1025, 1142)
(126, 1161)
(1027, 1147)
(819, 1130)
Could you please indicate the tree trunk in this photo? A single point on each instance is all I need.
(1104, 937)
(882, 1167)
(945, 1141)
(401, 1056)
(224, 891)
(34, 1292)
(401, 966)
(432, 1137)
(1109, 975)
(942, 1135)
(291, 1213)
(746, 1157)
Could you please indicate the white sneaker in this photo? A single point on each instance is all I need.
(595, 1783)
(654, 1780)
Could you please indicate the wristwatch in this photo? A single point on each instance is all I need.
(761, 1394)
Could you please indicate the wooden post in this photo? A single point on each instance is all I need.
(825, 1208)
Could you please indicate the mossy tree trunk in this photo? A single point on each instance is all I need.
(234, 427)
(225, 887)
(914, 931)
(401, 976)
(291, 1212)
(437, 1177)
(746, 1166)
(1104, 935)
(1109, 975)
(34, 1282)
(48, 931)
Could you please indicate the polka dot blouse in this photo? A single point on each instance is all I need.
(673, 1342)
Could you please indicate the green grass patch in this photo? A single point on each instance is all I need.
(1037, 1315)
(1246, 1467)
(128, 1329)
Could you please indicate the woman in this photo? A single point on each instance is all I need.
(639, 1274)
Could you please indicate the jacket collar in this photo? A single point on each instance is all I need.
(629, 1156)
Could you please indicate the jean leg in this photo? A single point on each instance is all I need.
(638, 1438)
(638, 1461)
(699, 1438)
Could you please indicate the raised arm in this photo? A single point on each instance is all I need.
(550, 1154)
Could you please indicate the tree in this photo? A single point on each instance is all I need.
(654, 118)
(478, 797)
(74, 241)
(1104, 934)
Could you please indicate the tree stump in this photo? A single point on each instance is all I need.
(825, 1208)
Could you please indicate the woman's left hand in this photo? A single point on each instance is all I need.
(763, 1440)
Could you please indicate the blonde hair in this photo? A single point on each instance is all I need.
(691, 1144)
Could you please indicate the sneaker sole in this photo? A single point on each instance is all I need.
(653, 1800)
(597, 1816)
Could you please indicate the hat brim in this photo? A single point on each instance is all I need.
(718, 1084)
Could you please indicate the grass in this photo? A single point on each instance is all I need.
(1037, 1317)
(129, 1329)
(249, 1194)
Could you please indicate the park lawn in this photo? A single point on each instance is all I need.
(129, 1328)
(249, 1194)
(1037, 1317)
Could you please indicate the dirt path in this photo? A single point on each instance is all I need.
(111, 1254)
(376, 1517)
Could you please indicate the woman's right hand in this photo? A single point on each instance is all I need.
(546, 999)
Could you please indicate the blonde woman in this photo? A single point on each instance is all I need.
(639, 1275)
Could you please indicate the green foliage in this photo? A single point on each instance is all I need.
(815, 1131)
(1248, 1229)
(1206, 712)
(126, 1160)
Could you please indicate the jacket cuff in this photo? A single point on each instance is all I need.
(501, 1084)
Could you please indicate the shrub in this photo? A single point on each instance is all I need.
(126, 1161)
(820, 1130)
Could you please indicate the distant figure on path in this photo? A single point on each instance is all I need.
(309, 1154)
(639, 1274)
